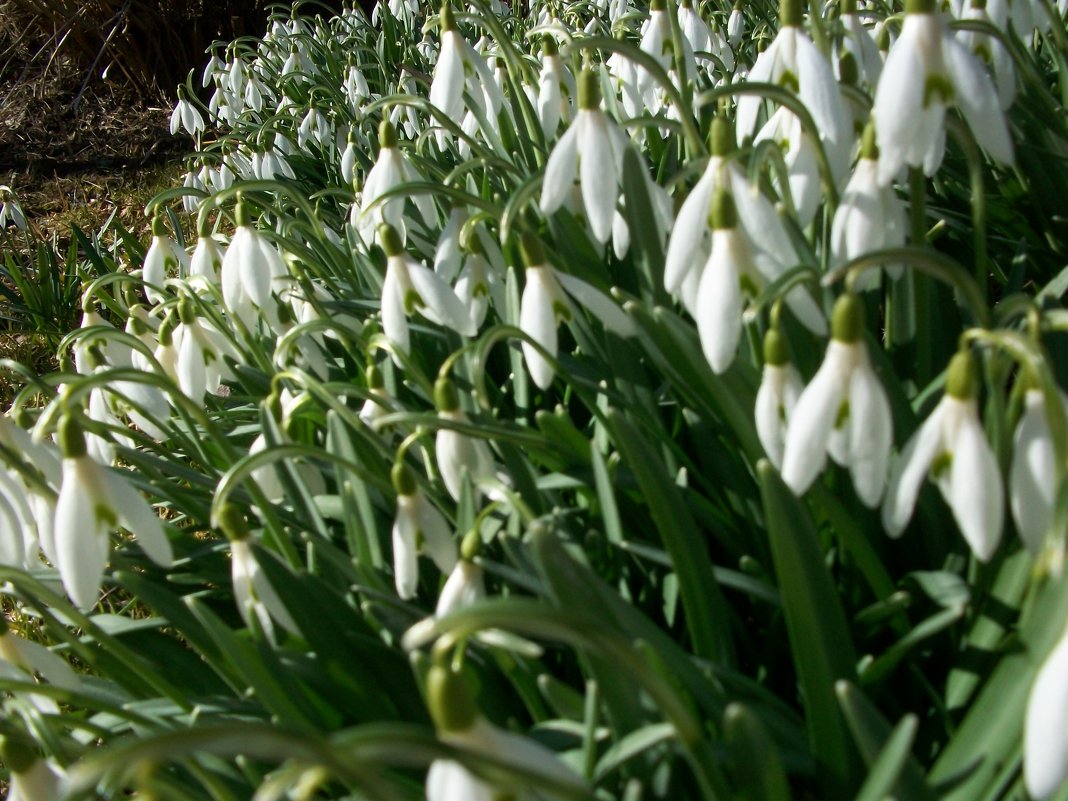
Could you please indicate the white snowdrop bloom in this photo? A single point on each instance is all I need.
(729, 276)
(541, 309)
(464, 587)
(656, 40)
(270, 165)
(187, 116)
(870, 216)
(736, 25)
(418, 526)
(951, 448)
(799, 152)
(10, 210)
(1033, 474)
(859, 41)
(926, 71)
(391, 169)
(473, 285)
(256, 599)
(702, 38)
(378, 403)
(448, 255)
(236, 74)
(162, 258)
(315, 129)
(794, 62)
(23, 660)
(199, 365)
(773, 252)
(592, 147)
(410, 286)
(459, 722)
(205, 264)
(355, 88)
(457, 452)
(450, 781)
(252, 270)
(556, 89)
(1026, 16)
(991, 52)
(843, 411)
(256, 93)
(459, 67)
(624, 74)
(349, 158)
(780, 387)
(1045, 757)
(92, 502)
(31, 778)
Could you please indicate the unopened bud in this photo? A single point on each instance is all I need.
(452, 706)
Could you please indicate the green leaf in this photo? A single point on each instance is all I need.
(631, 746)
(644, 231)
(753, 759)
(886, 770)
(819, 637)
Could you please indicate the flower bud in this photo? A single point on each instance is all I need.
(390, 239)
(962, 380)
(471, 545)
(403, 479)
(776, 350)
(724, 214)
(233, 523)
(847, 319)
(452, 706)
(71, 437)
(446, 399)
(589, 90)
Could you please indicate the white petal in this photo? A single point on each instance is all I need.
(598, 304)
(690, 228)
(975, 489)
(1045, 755)
(870, 435)
(139, 519)
(1032, 474)
(440, 303)
(597, 172)
(394, 319)
(560, 171)
(437, 536)
(537, 319)
(977, 99)
(81, 530)
(910, 470)
(719, 302)
(405, 559)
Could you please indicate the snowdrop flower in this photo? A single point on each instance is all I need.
(736, 25)
(390, 169)
(951, 448)
(411, 286)
(252, 270)
(869, 217)
(793, 61)
(926, 71)
(348, 158)
(205, 264)
(377, 404)
(702, 38)
(448, 780)
(780, 387)
(460, 723)
(31, 778)
(460, 68)
(10, 210)
(355, 87)
(857, 40)
(843, 411)
(990, 51)
(257, 602)
(92, 502)
(418, 526)
(1033, 474)
(556, 89)
(163, 257)
(187, 116)
(458, 453)
(541, 309)
(657, 42)
(592, 146)
(201, 347)
(799, 153)
(21, 659)
(1045, 758)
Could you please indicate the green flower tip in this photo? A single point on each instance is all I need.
(978, 3)
(724, 214)
(17, 754)
(158, 228)
(962, 378)
(721, 137)
(589, 90)
(71, 437)
(387, 134)
(241, 215)
(446, 398)
(233, 523)
(531, 250)
(549, 46)
(658, 5)
(776, 349)
(868, 148)
(848, 7)
(847, 69)
(390, 239)
(452, 706)
(403, 479)
(847, 319)
(882, 41)
(166, 330)
(187, 313)
(790, 13)
(448, 21)
(920, 6)
(471, 546)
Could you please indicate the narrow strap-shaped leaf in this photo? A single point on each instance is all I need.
(644, 232)
(886, 771)
(819, 637)
(707, 613)
(753, 759)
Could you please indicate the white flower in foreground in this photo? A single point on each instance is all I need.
(94, 501)
(460, 723)
(592, 147)
(780, 387)
(11, 210)
(418, 526)
(926, 71)
(252, 270)
(458, 68)
(450, 781)
(205, 265)
(869, 217)
(391, 169)
(951, 448)
(843, 411)
(411, 286)
(457, 452)
(1045, 756)
(31, 778)
(162, 258)
(1033, 475)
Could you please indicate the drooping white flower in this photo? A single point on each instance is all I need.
(199, 365)
(458, 453)
(187, 116)
(411, 286)
(92, 502)
(460, 68)
(162, 258)
(205, 264)
(736, 25)
(1045, 757)
(1033, 474)
(702, 38)
(11, 210)
(859, 41)
(377, 403)
(992, 52)
(556, 89)
(448, 780)
(418, 526)
(592, 150)
(926, 71)
(391, 169)
(31, 778)
(870, 216)
(843, 411)
(252, 270)
(951, 448)
(780, 387)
